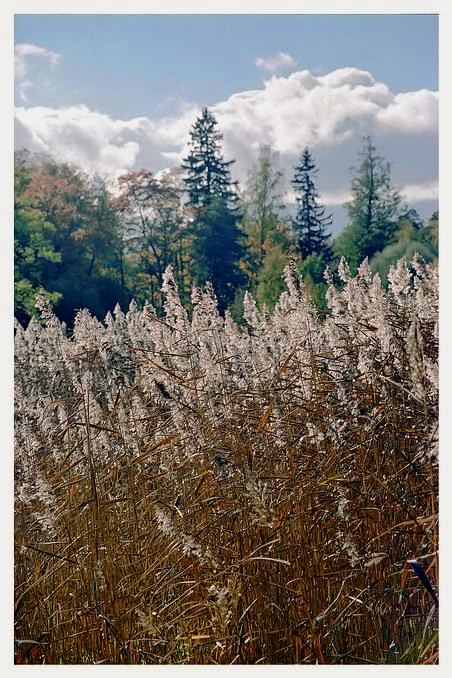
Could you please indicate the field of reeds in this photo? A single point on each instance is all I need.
(193, 491)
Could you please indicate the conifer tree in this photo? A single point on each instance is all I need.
(207, 173)
(217, 251)
(310, 222)
(217, 242)
(372, 211)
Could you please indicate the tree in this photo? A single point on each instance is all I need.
(310, 222)
(373, 209)
(432, 230)
(410, 237)
(33, 247)
(261, 202)
(217, 242)
(78, 260)
(270, 282)
(207, 173)
(151, 219)
(217, 251)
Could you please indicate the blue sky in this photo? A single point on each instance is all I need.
(116, 92)
(148, 61)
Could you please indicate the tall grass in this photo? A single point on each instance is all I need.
(193, 491)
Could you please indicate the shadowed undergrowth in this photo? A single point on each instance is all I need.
(193, 491)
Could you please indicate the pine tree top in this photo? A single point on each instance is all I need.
(207, 173)
(310, 222)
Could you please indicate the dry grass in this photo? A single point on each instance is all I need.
(268, 522)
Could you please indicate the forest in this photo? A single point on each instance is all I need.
(226, 421)
(86, 244)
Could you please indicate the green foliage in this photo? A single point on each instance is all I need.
(217, 242)
(151, 219)
(269, 281)
(411, 238)
(66, 241)
(312, 269)
(217, 250)
(207, 173)
(373, 208)
(87, 248)
(310, 222)
(346, 245)
(432, 230)
(25, 296)
(261, 204)
(33, 248)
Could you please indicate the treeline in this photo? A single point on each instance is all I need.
(87, 246)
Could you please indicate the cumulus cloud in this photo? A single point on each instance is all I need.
(328, 113)
(415, 112)
(100, 143)
(303, 109)
(26, 54)
(275, 63)
(76, 134)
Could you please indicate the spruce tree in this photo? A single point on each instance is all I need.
(207, 173)
(217, 250)
(310, 222)
(217, 241)
(374, 203)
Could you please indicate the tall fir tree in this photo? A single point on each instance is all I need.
(373, 209)
(207, 173)
(310, 222)
(217, 241)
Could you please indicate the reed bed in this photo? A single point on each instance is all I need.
(193, 491)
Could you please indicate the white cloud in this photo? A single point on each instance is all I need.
(328, 113)
(330, 198)
(415, 112)
(24, 55)
(275, 63)
(303, 109)
(413, 193)
(338, 197)
(76, 134)
(25, 50)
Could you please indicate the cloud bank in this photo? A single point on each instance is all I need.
(328, 113)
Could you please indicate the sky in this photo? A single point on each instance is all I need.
(119, 92)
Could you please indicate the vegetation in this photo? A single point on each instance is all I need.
(217, 247)
(241, 468)
(372, 211)
(87, 246)
(198, 491)
(310, 221)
